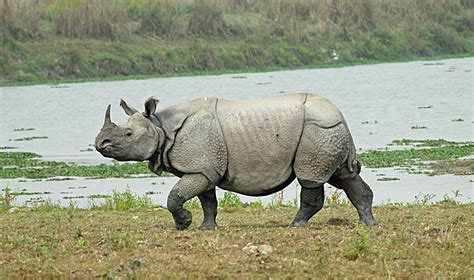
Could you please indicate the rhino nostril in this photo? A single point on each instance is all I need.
(105, 143)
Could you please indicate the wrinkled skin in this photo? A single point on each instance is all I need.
(136, 140)
(253, 148)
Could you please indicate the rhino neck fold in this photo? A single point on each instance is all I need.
(156, 160)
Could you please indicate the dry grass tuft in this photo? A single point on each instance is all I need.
(89, 18)
(20, 18)
(206, 19)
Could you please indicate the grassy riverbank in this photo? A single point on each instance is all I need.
(422, 241)
(65, 40)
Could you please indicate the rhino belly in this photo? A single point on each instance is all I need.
(261, 140)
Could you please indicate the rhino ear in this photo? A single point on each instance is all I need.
(128, 109)
(150, 105)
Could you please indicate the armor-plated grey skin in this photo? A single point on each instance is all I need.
(250, 147)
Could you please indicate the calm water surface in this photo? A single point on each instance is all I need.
(381, 103)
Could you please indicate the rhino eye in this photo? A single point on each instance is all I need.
(129, 133)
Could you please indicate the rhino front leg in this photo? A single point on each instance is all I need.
(187, 187)
(311, 201)
(209, 206)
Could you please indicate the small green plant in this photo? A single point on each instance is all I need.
(358, 244)
(293, 203)
(193, 203)
(47, 204)
(424, 199)
(115, 240)
(277, 199)
(256, 204)
(458, 120)
(122, 201)
(230, 200)
(336, 198)
(8, 198)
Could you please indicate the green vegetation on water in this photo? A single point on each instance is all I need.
(29, 138)
(388, 179)
(23, 129)
(440, 155)
(426, 143)
(65, 40)
(8, 148)
(419, 127)
(391, 158)
(28, 165)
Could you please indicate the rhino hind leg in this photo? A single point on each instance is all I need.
(311, 201)
(209, 206)
(360, 195)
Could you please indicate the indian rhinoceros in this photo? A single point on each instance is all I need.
(254, 148)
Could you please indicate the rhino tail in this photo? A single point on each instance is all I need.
(351, 158)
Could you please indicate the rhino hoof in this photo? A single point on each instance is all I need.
(208, 226)
(184, 220)
(298, 224)
(369, 222)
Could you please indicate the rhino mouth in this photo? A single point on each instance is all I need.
(107, 149)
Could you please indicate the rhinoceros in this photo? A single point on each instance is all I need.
(254, 148)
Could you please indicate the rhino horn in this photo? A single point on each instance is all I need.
(108, 121)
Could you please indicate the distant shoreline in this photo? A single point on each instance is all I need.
(230, 71)
(68, 41)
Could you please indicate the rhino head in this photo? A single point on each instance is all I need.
(137, 140)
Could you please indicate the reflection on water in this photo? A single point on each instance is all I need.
(380, 102)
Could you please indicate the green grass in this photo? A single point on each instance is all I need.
(122, 201)
(411, 241)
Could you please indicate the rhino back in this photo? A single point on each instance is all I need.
(261, 139)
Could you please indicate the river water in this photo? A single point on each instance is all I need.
(381, 102)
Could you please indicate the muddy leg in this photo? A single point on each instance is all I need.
(312, 200)
(209, 206)
(360, 194)
(187, 187)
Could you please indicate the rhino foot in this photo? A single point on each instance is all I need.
(208, 226)
(298, 224)
(183, 220)
(369, 222)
